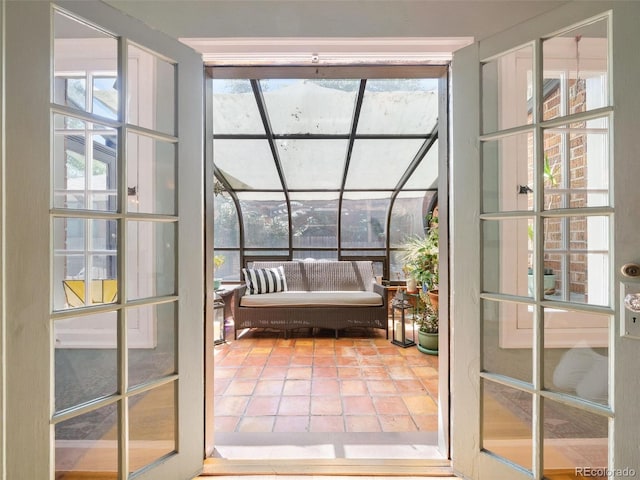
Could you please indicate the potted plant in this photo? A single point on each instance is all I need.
(218, 261)
(421, 259)
(428, 323)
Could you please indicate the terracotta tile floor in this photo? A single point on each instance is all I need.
(360, 382)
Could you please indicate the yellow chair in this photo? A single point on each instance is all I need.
(102, 291)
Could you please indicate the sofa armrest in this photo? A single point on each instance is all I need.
(238, 294)
(381, 290)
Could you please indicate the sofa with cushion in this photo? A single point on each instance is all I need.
(291, 295)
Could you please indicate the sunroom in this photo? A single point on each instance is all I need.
(317, 165)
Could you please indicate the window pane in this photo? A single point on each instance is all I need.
(226, 227)
(507, 90)
(105, 97)
(364, 217)
(84, 165)
(511, 437)
(151, 98)
(85, 251)
(310, 255)
(151, 355)
(265, 219)
(408, 216)
(574, 440)
(234, 108)
(151, 175)
(315, 221)
(507, 256)
(230, 269)
(242, 171)
(426, 174)
(579, 366)
(77, 47)
(507, 173)
(380, 163)
(575, 70)
(88, 443)
(576, 169)
(152, 425)
(151, 260)
(577, 254)
(317, 164)
(310, 106)
(496, 358)
(402, 106)
(85, 358)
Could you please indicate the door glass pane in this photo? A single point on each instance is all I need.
(151, 175)
(507, 256)
(576, 71)
(84, 165)
(497, 357)
(507, 90)
(85, 251)
(152, 341)
(88, 444)
(574, 441)
(151, 260)
(151, 98)
(576, 168)
(85, 358)
(310, 106)
(577, 365)
(507, 173)
(577, 255)
(511, 436)
(85, 56)
(152, 425)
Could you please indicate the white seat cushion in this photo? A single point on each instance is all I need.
(312, 299)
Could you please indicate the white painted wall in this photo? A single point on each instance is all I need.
(329, 18)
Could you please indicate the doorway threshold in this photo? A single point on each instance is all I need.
(330, 467)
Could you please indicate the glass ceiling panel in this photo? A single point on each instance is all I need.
(246, 164)
(310, 106)
(313, 164)
(402, 106)
(426, 174)
(380, 163)
(234, 108)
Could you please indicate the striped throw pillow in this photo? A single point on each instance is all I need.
(264, 280)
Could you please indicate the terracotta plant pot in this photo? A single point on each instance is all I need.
(433, 298)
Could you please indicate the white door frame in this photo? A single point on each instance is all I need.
(29, 353)
(624, 436)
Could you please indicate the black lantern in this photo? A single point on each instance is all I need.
(402, 319)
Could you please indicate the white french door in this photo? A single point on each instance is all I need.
(105, 259)
(544, 188)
